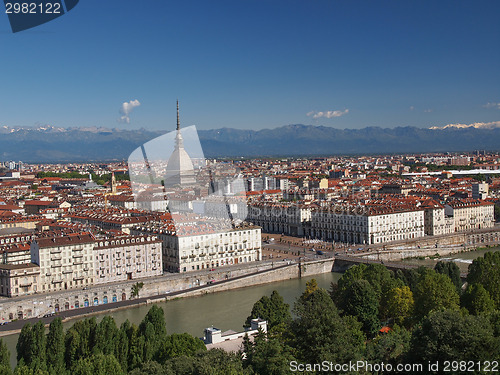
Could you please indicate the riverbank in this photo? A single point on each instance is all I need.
(261, 275)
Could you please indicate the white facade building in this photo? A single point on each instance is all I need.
(196, 247)
(470, 214)
(367, 225)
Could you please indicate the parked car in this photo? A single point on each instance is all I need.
(319, 252)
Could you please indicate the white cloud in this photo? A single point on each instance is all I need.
(412, 108)
(428, 110)
(327, 114)
(126, 109)
(477, 125)
(492, 105)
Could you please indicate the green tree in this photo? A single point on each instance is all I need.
(150, 368)
(319, 333)
(31, 346)
(477, 300)
(177, 345)
(211, 362)
(55, 347)
(399, 304)
(434, 291)
(105, 336)
(121, 345)
(154, 332)
(98, 364)
(4, 354)
(449, 335)
(4, 359)
(136, 347)
(267, 355)
(136, 289)
(80, 341)
(273, 309)
(390, 347)
(486, 271)
(363, 304)
(22, 369)
(451, 270)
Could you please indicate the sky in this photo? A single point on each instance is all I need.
(254, 64)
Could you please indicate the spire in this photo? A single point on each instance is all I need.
(178, 121)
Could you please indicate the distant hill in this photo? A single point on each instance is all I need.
(52, 144)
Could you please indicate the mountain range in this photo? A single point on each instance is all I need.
(58, 144)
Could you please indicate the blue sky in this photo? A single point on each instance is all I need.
(255, 64)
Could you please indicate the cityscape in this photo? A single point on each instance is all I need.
(254, 188)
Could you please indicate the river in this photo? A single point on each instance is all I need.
(224, 310)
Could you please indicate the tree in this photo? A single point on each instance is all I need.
(55, 347)
(136, 347)
(273, 309)
(451, 270)
(154, 331)
(211, 362)
(4, 354)
(121, 345)
(319, 333)
(311, 286)
(486, 271)
(136, 288)
(477, 300)
(177, 345)
(434, 291)
(267, 355)
(105, 336)
(22, 369)
(363, 304)
(150, 368)
(389, 347)
(449, 335)
(80, 341)
(399, 304)
(98, 364)
(31, 346)
(4, 359)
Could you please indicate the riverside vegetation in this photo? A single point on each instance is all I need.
(371, 314)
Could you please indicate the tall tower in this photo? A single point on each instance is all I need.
(113, 183)
(180, 170)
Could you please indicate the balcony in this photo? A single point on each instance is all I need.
(76, 278)
(78, 256)
(55, 251)
(67, 272)
(55, 259)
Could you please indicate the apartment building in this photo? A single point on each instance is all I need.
(469, 214)
(367, 224)
(127, 258)
(66, 261)
(19, 279)
(205, 244)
